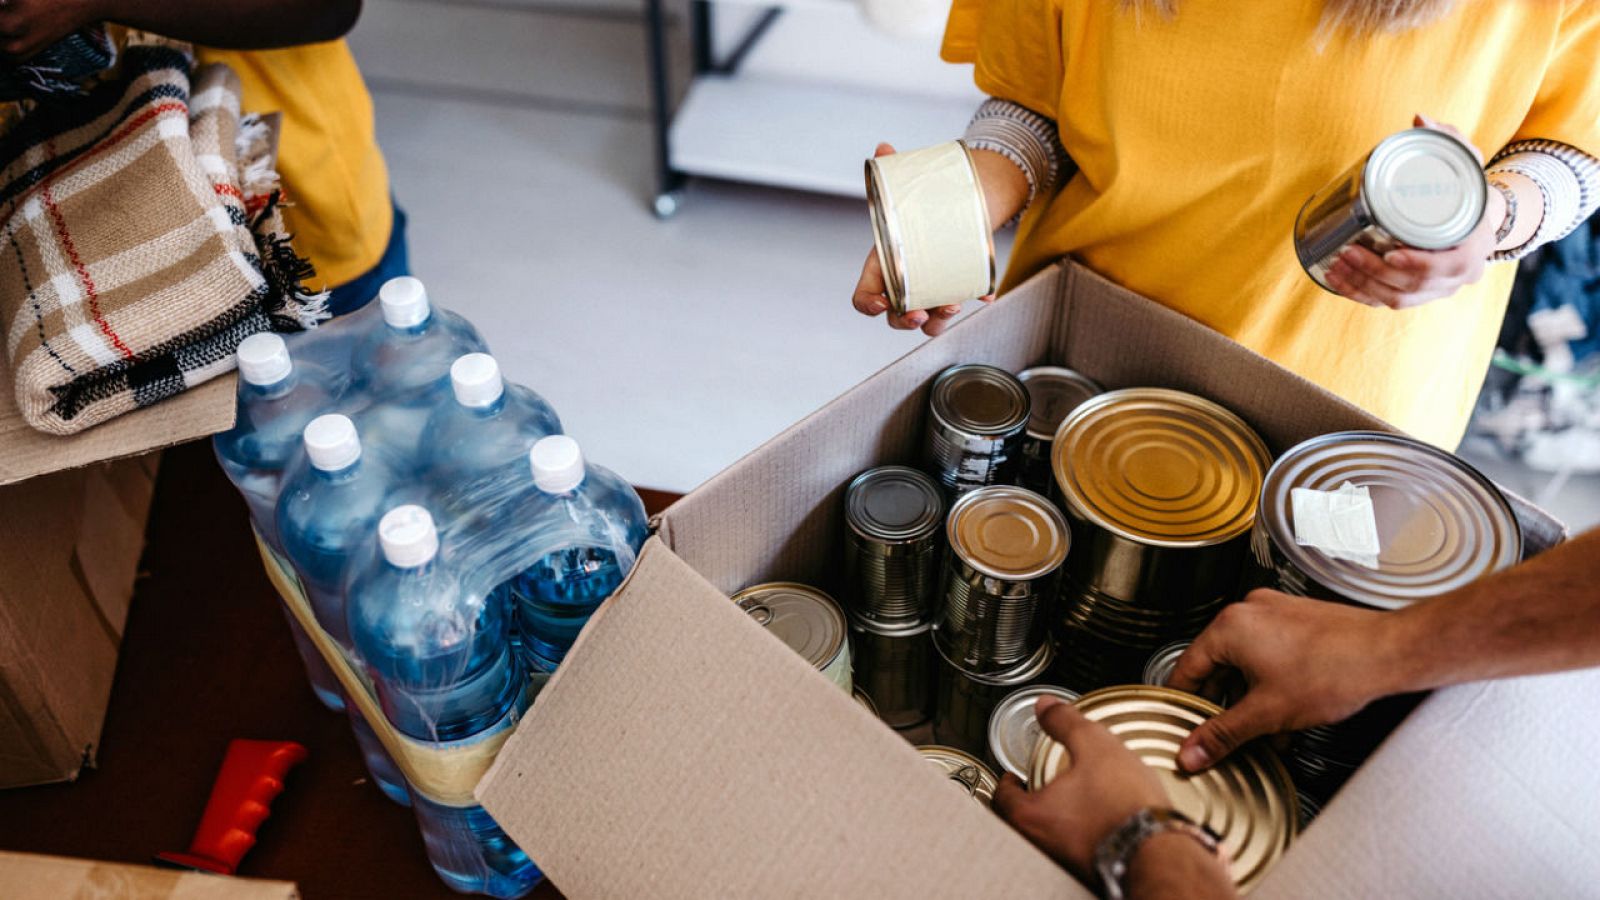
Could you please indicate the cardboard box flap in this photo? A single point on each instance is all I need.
(27, 876)
(1487, 789)
(204, 410)
(681, 751)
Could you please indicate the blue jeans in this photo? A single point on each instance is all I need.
(396, 261)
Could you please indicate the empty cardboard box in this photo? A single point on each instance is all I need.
(681, 751)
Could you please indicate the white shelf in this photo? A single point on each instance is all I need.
(808, 136)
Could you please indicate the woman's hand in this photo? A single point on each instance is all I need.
(1407, 277)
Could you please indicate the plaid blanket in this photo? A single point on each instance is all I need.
(140, 240)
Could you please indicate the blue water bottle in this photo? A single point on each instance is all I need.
(488, 426)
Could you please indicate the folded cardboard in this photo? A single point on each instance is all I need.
(681, 751)
(26, 876)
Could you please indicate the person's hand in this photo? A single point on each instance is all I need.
(871, 297)
(28, 26)
(1304, 662)
(1102, 787)
(1408, 277)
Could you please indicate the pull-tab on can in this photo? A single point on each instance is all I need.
(931, 227)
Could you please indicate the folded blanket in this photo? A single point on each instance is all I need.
(140, 240)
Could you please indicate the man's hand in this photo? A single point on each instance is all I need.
(1407, 277)
(1304, 662)
(1103, 786)
(29, 26)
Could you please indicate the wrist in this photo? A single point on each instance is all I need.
(1402, 642)
(1176, 860)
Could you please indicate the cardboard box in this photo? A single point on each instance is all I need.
(681, 751)
(26, 876)
(71, 534)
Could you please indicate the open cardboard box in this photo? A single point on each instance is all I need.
(27, 876)
(681, 751)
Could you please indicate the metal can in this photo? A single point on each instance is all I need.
(966, 699)
(1006, 545)
(931, 227)
(895, 665)
(965, 771)
(1014, 730)
(1440, 523)
(865, 702)
(807, 620)
(1247, 800)
(1322, 759)
(976, 418)
(1419, 188)
(1053, 393)
(1158, 671)
(894, 517)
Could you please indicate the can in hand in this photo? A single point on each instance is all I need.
(931, 227)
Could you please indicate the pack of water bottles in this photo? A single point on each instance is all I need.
(447, 544)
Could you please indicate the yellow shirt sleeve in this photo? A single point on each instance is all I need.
(1567, 107)
(1014, 46)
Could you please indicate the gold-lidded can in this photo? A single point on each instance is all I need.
(1246, 799)
(965, 771)
(894, 518)
(966, 700)
(1014, 729)
(930, 225)
(976, 418)
(895, 665)
(1053, 393)
(809, 621)
(1006, 546)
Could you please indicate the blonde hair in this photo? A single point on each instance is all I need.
(1358, 16)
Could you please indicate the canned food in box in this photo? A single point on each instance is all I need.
(807, 620)
(965, 771)
(976, 417)
(967, 699)
(1053, 393)
(895, 665)
(1014, 730)
(894, 517)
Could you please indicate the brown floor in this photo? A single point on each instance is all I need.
(206, 658)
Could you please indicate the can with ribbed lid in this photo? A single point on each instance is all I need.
(965, 771)
(966, 700)
(1006, 545)
(976, 418)
(1420, 188)
(1014, 729)
(1440, 523)
(894, 517)
(1101, 641)
(1247, 799)
(1053, 393)
(1158, 670)
(895, 665)
(807, 620)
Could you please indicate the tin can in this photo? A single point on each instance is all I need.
(1419, 188)
(807, 620)
(966, 699)
(1014, 730)
(1158, 671)
(895, 665)
(931, 227)
(965, 771)
(1053, 393)
(865, 702)
(1006, 545)
(1247, 800)
(1440, 523)
(1323, 758)
(895, 518)
(976, 418)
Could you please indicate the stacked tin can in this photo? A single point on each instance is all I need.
(977, 416)
(1439, 524)
(1006, 547)
(807, 620)
(894, 522)
(1160, 488)
(1053, 393)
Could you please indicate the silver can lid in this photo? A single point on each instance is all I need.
(964, 770)
(1158, 671)
(893, 504)
(1008, 532)
(1054, 392)
(805, 618)
(1425, 187)
(1440, 523)
(979, 400)
(888, 629)
(1014, 730)
(1030, 669)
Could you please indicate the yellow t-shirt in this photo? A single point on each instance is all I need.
(333, 173)
(1198, 138)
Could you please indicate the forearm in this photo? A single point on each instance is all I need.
(1005, 186)
(1029, 145)
(1175, 866)
(236, 24)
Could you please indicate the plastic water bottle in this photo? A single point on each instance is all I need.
(586, 534)
(328, 509)
(441, 664)
(490, 425)
(276, 399)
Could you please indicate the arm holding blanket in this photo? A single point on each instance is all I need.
(29, 26)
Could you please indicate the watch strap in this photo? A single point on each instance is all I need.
(1510, 220)
(1117, 849)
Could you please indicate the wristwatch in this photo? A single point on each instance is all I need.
(1111, 858)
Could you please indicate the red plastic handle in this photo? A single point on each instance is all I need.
(252, 775)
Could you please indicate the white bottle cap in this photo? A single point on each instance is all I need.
(557, 464)
(331, 442)
(404, 301)
(264, 359)
(408, 536)
(476, 380)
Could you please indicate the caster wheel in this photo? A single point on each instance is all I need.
(666, 205)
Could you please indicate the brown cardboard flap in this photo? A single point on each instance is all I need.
(681, 751)
(26, 876)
